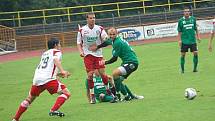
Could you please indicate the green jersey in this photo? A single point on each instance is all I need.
(122, 49)
(187, 27)
(99, 86)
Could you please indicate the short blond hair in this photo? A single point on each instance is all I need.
(112, 29)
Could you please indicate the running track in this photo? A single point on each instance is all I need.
(36, 53)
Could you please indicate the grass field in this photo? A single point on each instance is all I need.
(157, 78)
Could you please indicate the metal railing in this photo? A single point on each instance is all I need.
(123, 21)
(36, 36)
(69, 14)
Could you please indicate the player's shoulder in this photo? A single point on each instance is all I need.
(55, 51)
(83, 28)
(99, 27)
(180, 19)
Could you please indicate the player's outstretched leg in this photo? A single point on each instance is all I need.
(121, 87)
(23, 107)
(127, 97)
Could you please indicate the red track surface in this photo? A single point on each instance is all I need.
(35, 53)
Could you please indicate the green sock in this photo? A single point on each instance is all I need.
(129, 91)
(123, 89)
(117, 84)
(182, 63)
(195, 62)
(120, 86)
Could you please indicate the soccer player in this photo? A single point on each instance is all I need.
(121, 49)
(45, 78)
(212, 36)
(187, 31)
(100, 91)
(88, 35)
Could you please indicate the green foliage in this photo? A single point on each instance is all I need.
(157, 78)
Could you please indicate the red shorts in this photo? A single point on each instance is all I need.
(53, 86)
(92, 62)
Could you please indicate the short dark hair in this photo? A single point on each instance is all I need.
(186, 7)
(90, 13)
(52, 43)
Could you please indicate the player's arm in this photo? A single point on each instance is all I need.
(110, 79)
(104, 44)
(179, 39)
(103, 34)
(112, 60)
(79, 44)
(57, 62)
(197, 31)
(179, 33)
(197, 35)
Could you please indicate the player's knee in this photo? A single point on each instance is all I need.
(66, 95)
(101, 97)
(30, 98)
(25, 103)
(90, 75)
(115, 75)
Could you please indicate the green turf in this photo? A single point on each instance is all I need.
(157, 78)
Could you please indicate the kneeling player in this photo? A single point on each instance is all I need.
(100, 91)
(102, 95)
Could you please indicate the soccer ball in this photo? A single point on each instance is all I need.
(190, 93)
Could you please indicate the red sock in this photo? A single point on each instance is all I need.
(105, 79)
(59, 102)
(90, 83)
(22, 108)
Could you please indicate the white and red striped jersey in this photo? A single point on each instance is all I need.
(88, 37)
(46, 70)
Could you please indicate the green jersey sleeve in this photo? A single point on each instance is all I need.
(179, 26)
(195, 26)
